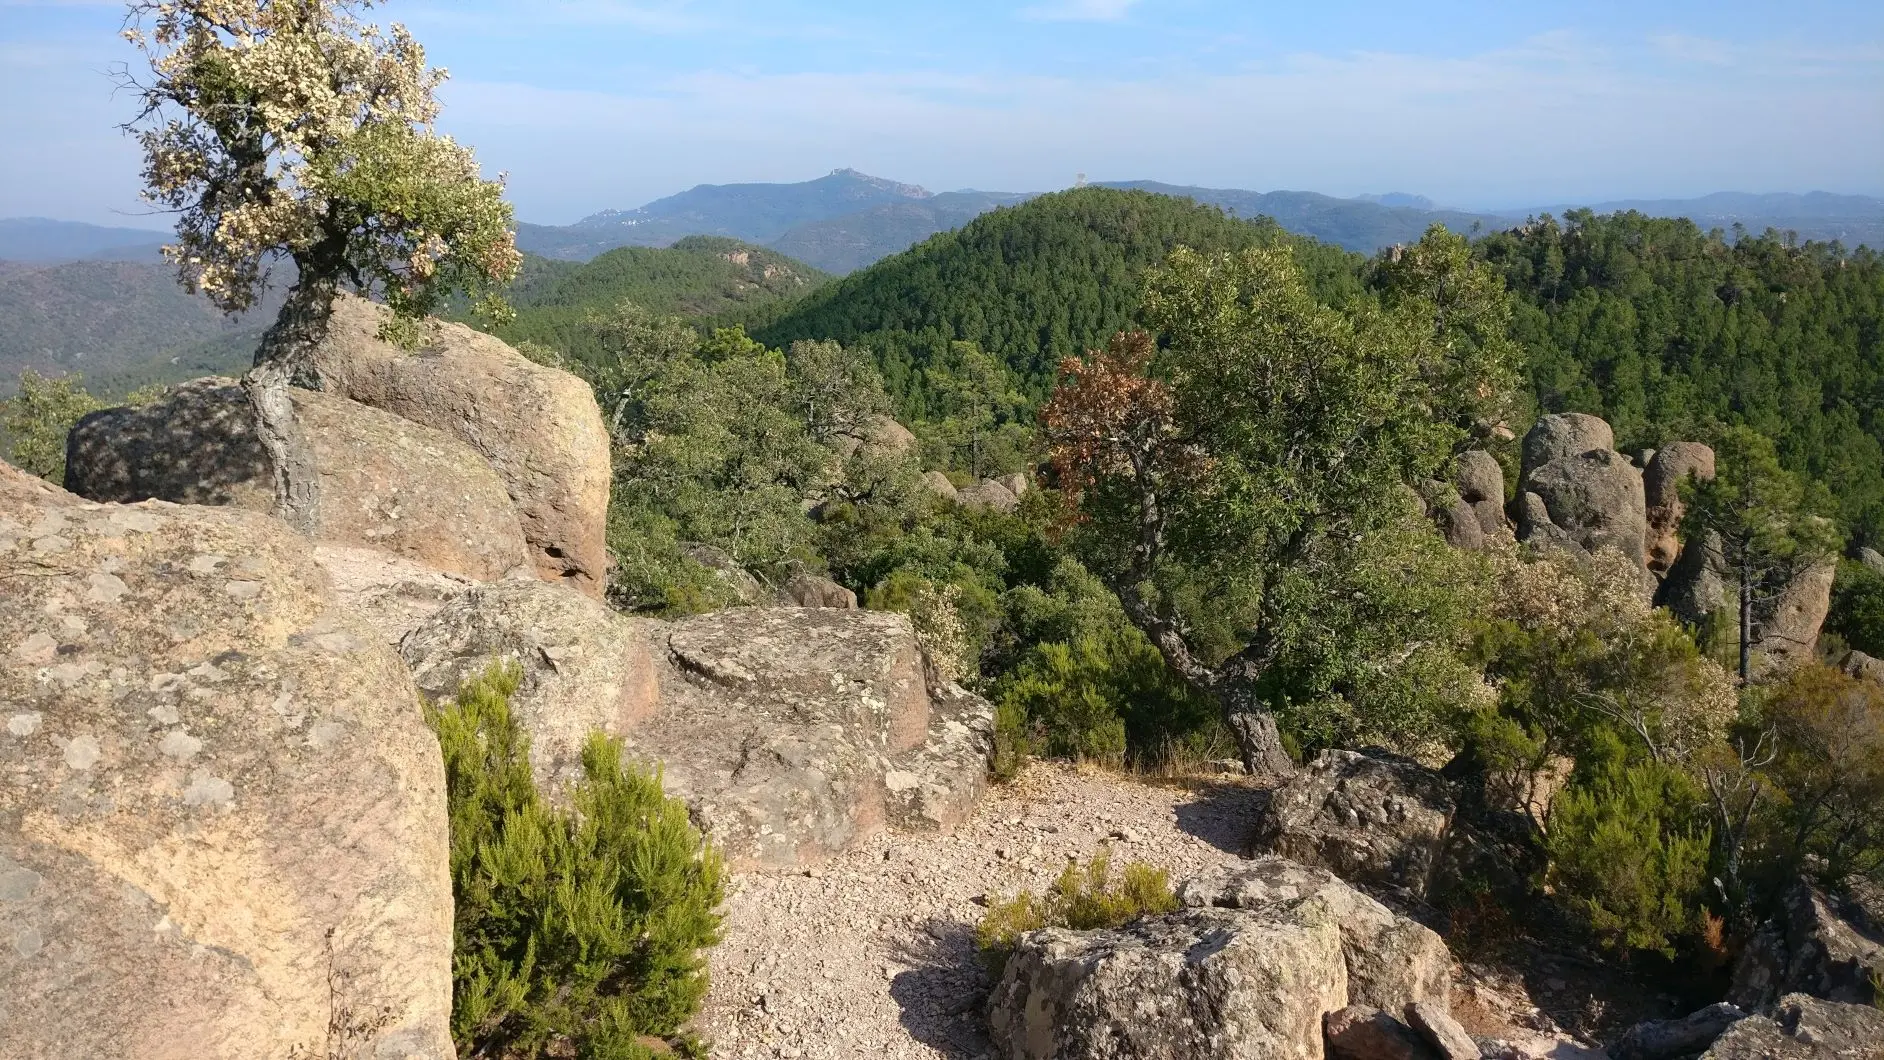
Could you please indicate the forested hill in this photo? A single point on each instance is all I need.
(700, 276)
(1031, 284)
(1663, 329)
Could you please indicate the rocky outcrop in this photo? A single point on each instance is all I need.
(1673, 1039)
(1017, 483)
(1391, 960)
(538, 428)
(1587, 501)
(791, 733)
(1360, 1032)
(1662, 476)
(1201, 984)
(1480, 483)
(796, 733)
(1862, 666)
(881, 436)
(1696, 586)
(805, 589)
(1447, 1039)
(378, 481)
(1563, 436)
(1820, 945)
(1458, 523)
(392, 594)
(585, 668)
(987, 494)
(1786, 630)
(939, 484)
(1804, 1028)
(222, 818)
(1373, 818)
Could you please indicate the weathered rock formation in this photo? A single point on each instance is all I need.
(1391, 961)
(791, 733)
(1202, 984)
(1662, 476)
(1263, 954)
(1786, 629)
(1804, 1028)
(1361, 1032)
(1673, 1039)
(1371, 818)
(1820, 945)
(1577, 491)
(537, 427)
(805, 589)
(1480, 483)
(987, 494)
(939, 485)
(391, 594)
(379, 481)
(585, 668)
(222, 818)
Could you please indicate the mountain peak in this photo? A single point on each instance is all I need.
(907, 191)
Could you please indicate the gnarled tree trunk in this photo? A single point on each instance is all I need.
(285, 360)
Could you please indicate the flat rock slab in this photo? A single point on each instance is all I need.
(1805, 1028)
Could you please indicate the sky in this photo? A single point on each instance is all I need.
(600, 104)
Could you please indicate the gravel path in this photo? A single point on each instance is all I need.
(873, 954)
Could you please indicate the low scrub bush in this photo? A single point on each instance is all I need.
(1084, 898)
(578, 930)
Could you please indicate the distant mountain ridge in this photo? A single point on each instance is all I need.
(43, 241)
(847, 220)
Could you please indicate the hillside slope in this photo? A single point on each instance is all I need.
(700, 276)
(756, 213)
(1356, 224)
(40, 241)
(1033, 283)
(122, 324)
(845, 244)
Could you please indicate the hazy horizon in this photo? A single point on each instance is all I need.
(609, 105)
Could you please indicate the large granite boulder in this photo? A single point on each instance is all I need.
(1805, 1028)
(1200, 984)
(1696, 586)
(1589, 501)
(1661, 486)
(796, 733)
(1563, 436)
(1392, 961)
(939, 484)
(1786, 629)
(392, 594)
(585, 668)
(881, 436)
(380, 482)
(805, 589)
(791, 733)
(1820, 945)
(1676, 1038)
(539, 428)
(1370, 818)
(1456, 519)
(222, 817)
(987, 494)
(1481, 485)
(1362, 1032)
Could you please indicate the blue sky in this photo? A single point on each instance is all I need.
(611, 103)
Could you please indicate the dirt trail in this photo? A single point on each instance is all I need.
(873, 956)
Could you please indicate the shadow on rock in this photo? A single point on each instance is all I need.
(1223, 813)
(944, 991)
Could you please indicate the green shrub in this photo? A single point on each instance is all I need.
(1626, 856)
(1858, 608)
(38, 418)
(1084, 898)
(577, 928)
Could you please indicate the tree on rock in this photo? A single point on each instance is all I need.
(1771, 525)
(1243, 482)
(290, 128)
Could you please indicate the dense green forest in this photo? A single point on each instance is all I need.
(700, 276)
(1031, 284)
(1667, 331)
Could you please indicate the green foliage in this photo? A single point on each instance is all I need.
(700, 276)
(1084, 898)
(1857, 613)
(37, 419)
(1665, 330)
(1029, 285)
(1627, 854)
(1827, 774)
(579, 927)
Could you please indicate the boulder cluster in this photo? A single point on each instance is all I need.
(222, 815)
(1575, 492)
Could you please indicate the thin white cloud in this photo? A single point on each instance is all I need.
(1079, 11)
(1689, 49)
